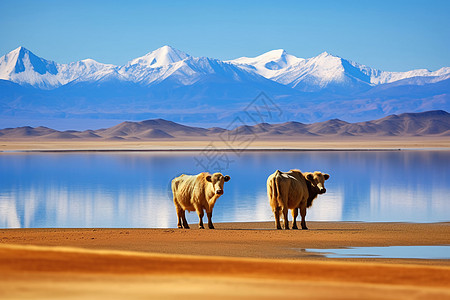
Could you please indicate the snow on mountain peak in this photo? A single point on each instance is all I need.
(325, 54)
(318, 72)
(314, 74)
(160, 57)
(273, 55)
(89, 61)
(22, 60)
(325, 58)
(325, 71)
(18, 50)
(268, 64)
(85, 70)
(22, 66)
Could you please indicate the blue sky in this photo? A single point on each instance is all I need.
(390, 35)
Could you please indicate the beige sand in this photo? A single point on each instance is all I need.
(282, 143)
(237, 260)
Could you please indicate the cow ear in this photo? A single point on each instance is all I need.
(326, 176)
(226, 178)
(208, 178)
(310, 177)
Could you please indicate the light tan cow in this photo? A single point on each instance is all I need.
(197, 193)
(294, 190)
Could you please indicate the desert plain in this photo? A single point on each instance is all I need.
(196, 144)
(234, 261)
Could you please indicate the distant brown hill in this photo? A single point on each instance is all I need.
(430, 123)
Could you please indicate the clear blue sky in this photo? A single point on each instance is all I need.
(393, 35)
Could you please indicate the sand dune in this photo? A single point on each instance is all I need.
(26, 131)
(89, 134)
(62, 136)
(162, 129)
(154, 134)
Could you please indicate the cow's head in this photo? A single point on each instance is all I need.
(217, 180)
(317, 179)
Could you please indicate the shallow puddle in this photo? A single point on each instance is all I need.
(413, 252)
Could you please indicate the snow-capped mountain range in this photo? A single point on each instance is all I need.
(23, 67)
(172, 84)
(325, 70)
(313, 74)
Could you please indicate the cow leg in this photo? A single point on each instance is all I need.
(179, 212)
(183, 218)
(285, 217)
(178, 208)
(200, 216)
(276, 213)
(210, 224)
(294, 217)
(303, 215)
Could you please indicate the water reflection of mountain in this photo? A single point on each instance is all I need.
(392, 185)
(62, 207)
(131, 189)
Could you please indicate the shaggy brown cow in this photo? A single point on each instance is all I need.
(294, 190)
(197, 193)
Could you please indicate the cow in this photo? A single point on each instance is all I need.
(294, 190)
(197, 193)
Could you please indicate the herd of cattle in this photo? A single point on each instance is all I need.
(292, 190)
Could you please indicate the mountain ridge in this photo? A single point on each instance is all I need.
(276, 65)
(429, 123)
(168, 83)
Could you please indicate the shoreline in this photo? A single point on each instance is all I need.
(245, 239)
(220, 150)
(242, 260)
(178, 145)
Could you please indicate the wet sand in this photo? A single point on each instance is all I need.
(237, 260)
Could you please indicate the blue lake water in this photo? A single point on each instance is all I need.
(413, 252)
(131, 189)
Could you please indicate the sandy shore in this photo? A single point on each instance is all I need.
(334, 143)
(237, 260)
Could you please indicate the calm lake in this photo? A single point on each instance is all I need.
(131, 189)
